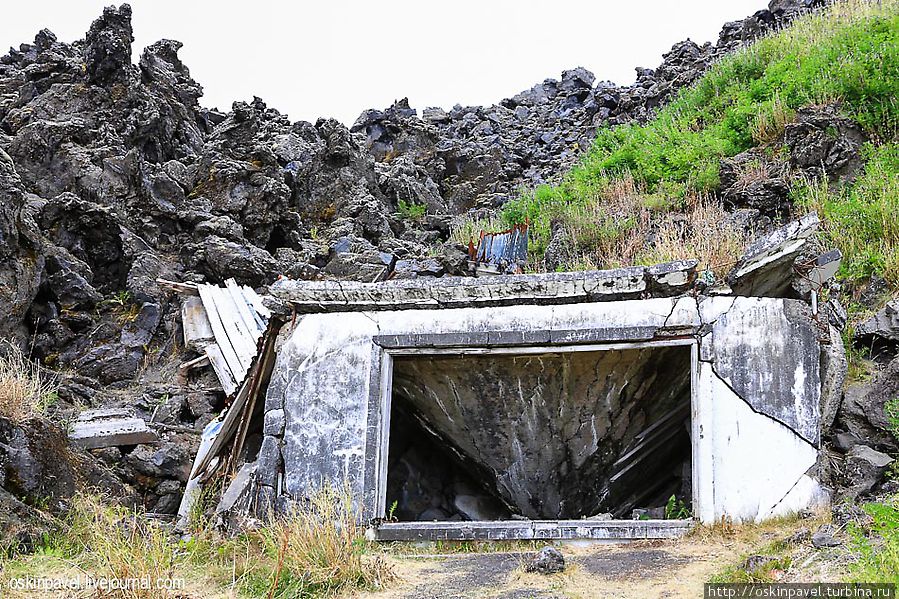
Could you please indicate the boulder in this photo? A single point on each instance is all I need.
(863, 411)
(548, 560)
(246, 263)
(883, 326)
(824, 537)
(823, 142)
(21, 261)
(754, 180)
(107, 47)
(863, 469)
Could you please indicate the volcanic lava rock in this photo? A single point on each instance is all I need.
(548, 560)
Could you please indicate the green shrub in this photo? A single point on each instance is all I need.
(863, 218)
(411, 211)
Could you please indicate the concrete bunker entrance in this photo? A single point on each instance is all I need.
(539, 433)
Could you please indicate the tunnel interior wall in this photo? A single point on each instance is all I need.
(547, 436)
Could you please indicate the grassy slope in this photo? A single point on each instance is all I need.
(847, 54)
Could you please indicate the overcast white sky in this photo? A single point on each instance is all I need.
(338, 57)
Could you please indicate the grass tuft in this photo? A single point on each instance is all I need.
(876, 546)
(26, 390)
(319, 550)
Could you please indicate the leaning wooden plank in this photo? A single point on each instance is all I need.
(195, 363)
(220, 366)
(259, 380)
(240, 338)
(260, 312)
(195, 322)
(192, 489)
(109, 428)
(251, 295)
(246, 312)
(207, 293)
(229, 426)
(226, 303)
(249, 336)
(185, 288)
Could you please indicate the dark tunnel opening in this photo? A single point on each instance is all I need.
(568, 435)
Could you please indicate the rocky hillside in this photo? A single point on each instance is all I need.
(112, 174)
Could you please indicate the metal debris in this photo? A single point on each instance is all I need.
(504, 251)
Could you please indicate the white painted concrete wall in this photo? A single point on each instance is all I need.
(747, 465)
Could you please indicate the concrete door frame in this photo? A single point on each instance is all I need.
(382, 396)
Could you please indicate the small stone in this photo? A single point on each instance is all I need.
(602, 516)
(799, 537)
(548, 560)
(823, 537)
(755, 563)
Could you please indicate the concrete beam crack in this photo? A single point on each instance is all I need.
(751, 407)
(790, 490)
(670, 313)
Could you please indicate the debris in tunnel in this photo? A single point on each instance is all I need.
(557, 435)
(427, 481)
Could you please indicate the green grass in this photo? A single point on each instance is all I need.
(411, 211)
(777, 558)
(862, 219)
(877, 548)
(848, 53)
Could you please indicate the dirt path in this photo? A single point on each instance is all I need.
(631, 571)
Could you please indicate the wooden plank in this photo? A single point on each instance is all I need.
(207, 293)
(254, 298)
(259, 381)
(195, 322)
(195, 363)
(233, 417)
(185, 288)
(246, 312)
(225, 301)
(229, 425)
(238, 335)
(220, 366)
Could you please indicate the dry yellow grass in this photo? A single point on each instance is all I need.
(321, 549)
(25, 389)
(770, 122)
(703, 233)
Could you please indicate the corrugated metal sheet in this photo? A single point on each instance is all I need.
(507, 251)
(225, 323)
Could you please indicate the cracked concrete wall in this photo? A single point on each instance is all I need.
(770, 356)
(329, 379)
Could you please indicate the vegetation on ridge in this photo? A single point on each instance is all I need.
(847, 54)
